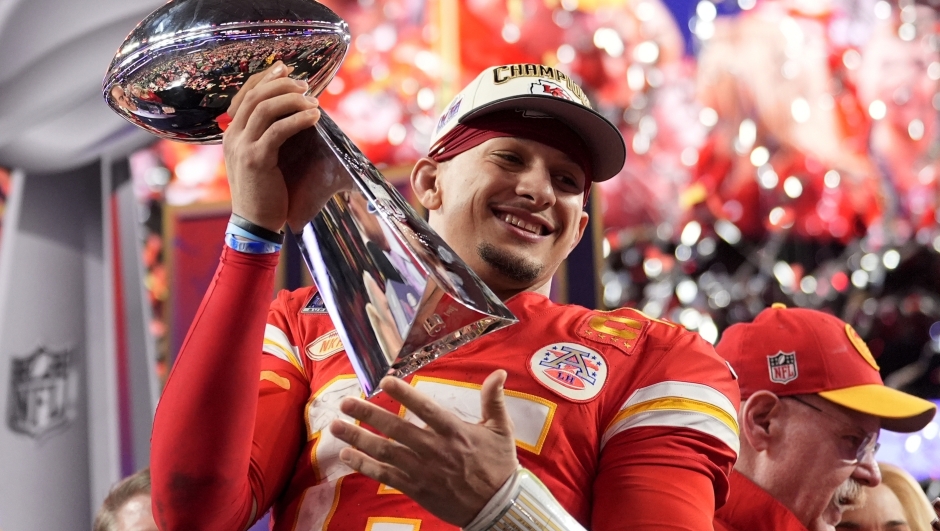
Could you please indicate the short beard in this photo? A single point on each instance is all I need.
(849, 495)
(515, 267)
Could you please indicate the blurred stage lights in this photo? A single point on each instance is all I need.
(930, 431)
(859, 278)
(767, 177)
(653, 267)
(891, 259)
(912, 443)
(792, 187)
(730, 233)
(691, 233)
(760, 156)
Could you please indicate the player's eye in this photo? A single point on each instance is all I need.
(509, 157)
(568, 183)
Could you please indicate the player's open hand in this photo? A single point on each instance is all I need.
(272, 172)
(450, 467)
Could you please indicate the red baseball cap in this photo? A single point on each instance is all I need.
(794, 351)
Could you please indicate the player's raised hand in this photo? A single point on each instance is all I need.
(450, 467)
(272, 172)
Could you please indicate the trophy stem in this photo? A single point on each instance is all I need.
(398, 295)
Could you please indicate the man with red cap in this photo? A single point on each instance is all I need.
(570, 418)
(812, 406)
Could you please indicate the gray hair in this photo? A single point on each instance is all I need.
(133, 485)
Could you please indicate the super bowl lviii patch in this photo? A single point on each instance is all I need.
(782, 366)
(570, 370)
(315, 304)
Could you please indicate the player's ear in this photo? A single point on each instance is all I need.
(425, 183)
(582, 225)
(759, 419)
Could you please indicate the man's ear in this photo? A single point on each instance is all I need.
(582, 224)
(424, 182)
(760, 414)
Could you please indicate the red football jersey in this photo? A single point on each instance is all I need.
(603, 403)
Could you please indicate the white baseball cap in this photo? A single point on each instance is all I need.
(538, 91)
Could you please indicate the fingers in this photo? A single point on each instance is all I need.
(380, 449)
(493, 403)
(275, 71)
(437, 418)
(273, 84)
(385, 422)
(271, 72)
(277, 133)
(376, 470)
(273, 102)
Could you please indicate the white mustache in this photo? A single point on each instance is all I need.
(849, 495)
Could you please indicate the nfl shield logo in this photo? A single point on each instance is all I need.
(40, 392)
(782, 367)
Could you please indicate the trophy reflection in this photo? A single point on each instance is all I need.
(397, 294)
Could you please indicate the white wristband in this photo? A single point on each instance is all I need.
(497, 505)
(524, 502)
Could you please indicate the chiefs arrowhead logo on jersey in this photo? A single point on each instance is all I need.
(572, 371)
(547, 88)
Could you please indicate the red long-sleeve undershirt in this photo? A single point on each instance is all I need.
(202, 432)
(201, 456)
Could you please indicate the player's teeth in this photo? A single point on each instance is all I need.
(513, 220)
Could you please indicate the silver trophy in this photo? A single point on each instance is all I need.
(398, 295)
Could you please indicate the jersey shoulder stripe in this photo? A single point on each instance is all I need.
(277, 344)
(681, 405)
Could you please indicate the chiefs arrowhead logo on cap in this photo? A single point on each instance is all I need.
(547, 88)
(860, 346)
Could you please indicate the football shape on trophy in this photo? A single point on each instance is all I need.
(398, 295)
(178, 70)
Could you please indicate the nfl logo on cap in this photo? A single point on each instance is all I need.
(782, 366)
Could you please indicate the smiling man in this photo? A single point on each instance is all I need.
(813, 406)
(571, 418)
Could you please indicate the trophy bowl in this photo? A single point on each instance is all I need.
(398, 295)
(178, 70)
